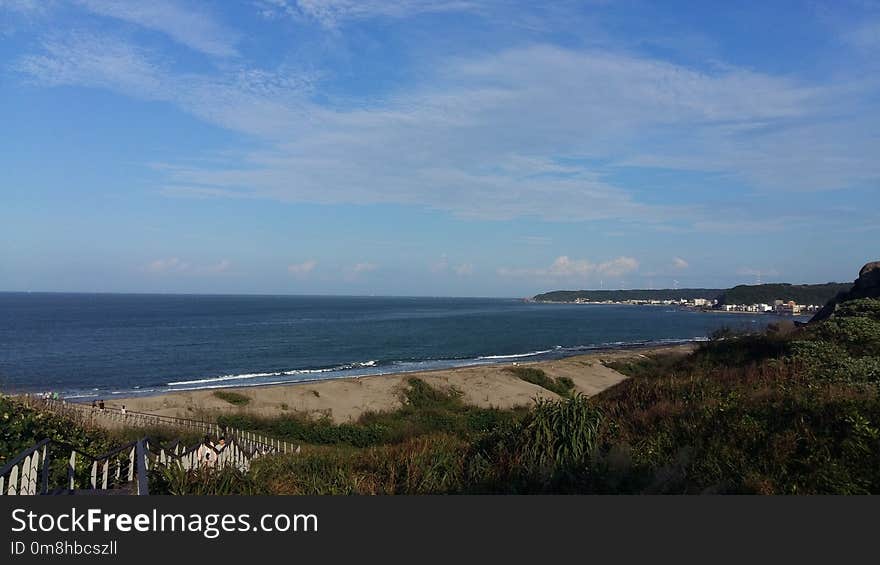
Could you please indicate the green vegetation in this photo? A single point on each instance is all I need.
(21, 427)
(562, 386)
(232, 397)
(425, 410)
(793, 410)
(767, 293)
(621, 295)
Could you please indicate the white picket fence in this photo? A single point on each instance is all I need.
(115, 416)
(122, 469)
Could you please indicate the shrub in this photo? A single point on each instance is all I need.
(232, 397)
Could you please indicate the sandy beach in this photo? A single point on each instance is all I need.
(346, 399)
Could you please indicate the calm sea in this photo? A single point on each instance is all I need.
(98, 345)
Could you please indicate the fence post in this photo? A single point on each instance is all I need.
(142, 482)
(71, 470)
(44, 486)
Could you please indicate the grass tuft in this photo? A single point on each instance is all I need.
(563, 386)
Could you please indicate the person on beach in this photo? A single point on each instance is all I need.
(122, 410)
(101, 404)
(206, 453)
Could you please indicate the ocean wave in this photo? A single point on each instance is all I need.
(248, 376)
(374, 367)
(515, 355)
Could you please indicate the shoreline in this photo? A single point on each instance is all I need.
(354, 370)
(345, 399)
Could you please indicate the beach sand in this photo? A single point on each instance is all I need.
(344, 400)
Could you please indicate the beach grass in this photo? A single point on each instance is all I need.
(425, 410)
(232, 397)
(563, 386)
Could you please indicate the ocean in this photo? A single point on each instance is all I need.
(86, 346)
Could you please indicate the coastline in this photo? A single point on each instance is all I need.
(346, 399)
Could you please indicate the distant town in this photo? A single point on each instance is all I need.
(770, 298)
(779, 307)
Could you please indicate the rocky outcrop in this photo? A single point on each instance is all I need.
(866, 286)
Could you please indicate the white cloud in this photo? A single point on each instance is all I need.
(302, 269)
(437, 145)
(332, 13)
(169, 265)
(564, 267)
(27, 7)
(251, 100)
(175, 265)
(463, 270)
(679, 263)
(617, 267)
(193, 28)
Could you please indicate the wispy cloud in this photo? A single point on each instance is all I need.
(172, 265)
(463, 270)
(437, 145)
(169, 265)
(679, 263)
(565, 267)
(332, 13)
(302, 269)
(181, 22)
(25, 6)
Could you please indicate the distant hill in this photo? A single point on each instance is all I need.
(742, 294)
(620, 295)
(766, 293)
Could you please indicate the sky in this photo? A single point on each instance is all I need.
(460, 148)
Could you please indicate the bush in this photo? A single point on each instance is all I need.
(232, 397)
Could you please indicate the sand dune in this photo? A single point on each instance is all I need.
(346, 399)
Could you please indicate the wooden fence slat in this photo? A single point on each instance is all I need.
(94, 476)
(25, 475)
(104, 474)
(13, 481)
(35, 469)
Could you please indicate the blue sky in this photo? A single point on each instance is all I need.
(435, 148)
